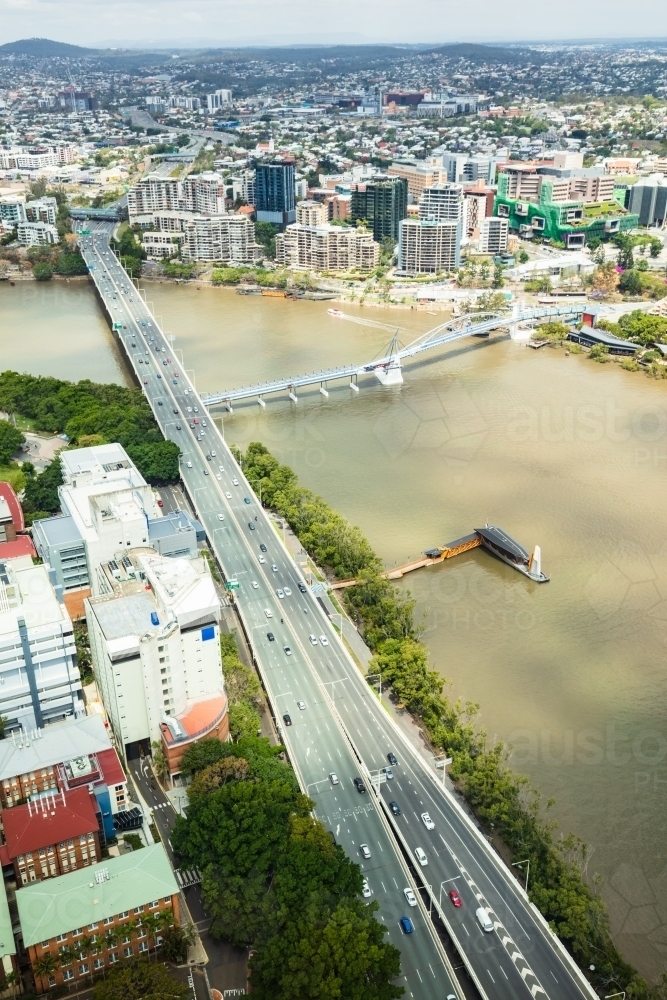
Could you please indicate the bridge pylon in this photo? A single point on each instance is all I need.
(520, 329)
(390, 373)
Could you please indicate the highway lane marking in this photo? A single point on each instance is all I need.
(512, 949)
(553, 975)
(465, 928)
(431, 968)
(491, 977)
(504, 973)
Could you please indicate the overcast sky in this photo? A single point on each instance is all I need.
(229, 22)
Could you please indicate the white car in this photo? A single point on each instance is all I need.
(254, 585)
(235, 482)
(221, 517)
(288, 592)
(261, 559)
(365, 851)
(333, 778)
(218, 476)
(313, 640)
(189, 408)
(366, 889)
(228, 495)
(280, 593)
(410, 896)
(268, 612)
(221, 468)
(301, 705)
(324, 640)
(484, 919)
(428, 822)
(189, 465)
(421, 856)
(274, 568)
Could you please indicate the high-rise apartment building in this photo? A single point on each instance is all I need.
(39, 678)
(218, 99)
(419, 176)
(154, 637)
(460, 168)
(274, 193)
(494, 234)
(327, 248)
(428, 246)
(224, 238)
(382, 203)
(203, 193)
(311, 213)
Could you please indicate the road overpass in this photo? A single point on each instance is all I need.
(343, 727)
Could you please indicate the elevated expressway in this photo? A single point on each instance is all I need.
(343, 727)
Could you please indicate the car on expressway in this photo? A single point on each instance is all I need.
(388, 773)
(288, 592)
(301, 705)
(324, 640)
(365, 851)
(280, 594)
(270, 636)
(221, 517)
(366, 890)
(406, 925)
(421, 856)
(427, 821)
(395, 808)
(268, 612)
(484, 919)
(228, 495)
(235, 482)
(359, 785)
(247, 500)
(333, 778)
(261, 559)
(254, 585)
(250, 524)
(287, 720)
(313, 640)
(455, 898)
(262, 547)
(410, 896)
(288, 651)
(392, 759)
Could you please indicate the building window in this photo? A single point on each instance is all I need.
(167, 899)
(77, 932)
(52, 980)
(45, 944)
(107, 921)
(143, 946)
(68, 974)
(128, 952)
(92, 927)
(138, 909)
(123, 915)
(113, 957)
(62, 937)
(156, 902)
(98, 963)
(84, 969)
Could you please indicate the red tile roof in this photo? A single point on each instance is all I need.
(21, 546)
(7, 491)
(48, 821)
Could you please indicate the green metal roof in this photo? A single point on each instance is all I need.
(58, 905)
(7, 945)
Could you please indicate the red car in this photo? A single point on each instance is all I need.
(160, 503)
(145, 381)
(455, 898)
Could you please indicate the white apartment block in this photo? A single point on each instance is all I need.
(220, 238)
(218, 99)
(196, 193)
(154, 637)
(18, 158)
(428, 246)
(39, 678)
(463, 167)
(182, 101)
(475, 206)
(12, 210)
(243, 187)
(42, 210)
(327, 248)
(203, 193)
(494, 234)
(35, 234)
(311, 213)
(160, 245)
(442, 202)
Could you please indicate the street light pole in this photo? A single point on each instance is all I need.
(526, 861)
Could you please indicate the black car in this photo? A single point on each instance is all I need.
(302, 588)
(359, 785)
(395, 808)
(391, 757)
(251, 525)
(287, 720)
(175, 410)
(178, 427)
(270, 636)
(262, 547)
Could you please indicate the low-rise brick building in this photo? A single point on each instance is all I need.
(52, 836)
(92, 919)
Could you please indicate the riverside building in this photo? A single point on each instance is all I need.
(327, 248)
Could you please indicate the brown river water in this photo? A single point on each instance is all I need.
(557, 450)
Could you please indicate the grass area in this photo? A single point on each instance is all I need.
(12, 474)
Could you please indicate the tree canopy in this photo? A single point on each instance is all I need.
(11, 440)
(140, 981)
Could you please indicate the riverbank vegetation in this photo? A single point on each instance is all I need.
(88, 413)
(504, 801)
(273, 878)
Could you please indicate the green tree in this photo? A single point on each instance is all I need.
(625, 257)
(655, 247)
(11, 440)
(160, 763)
(243, 720)
(265, 235)
(41, 492)
(140, 981)
(175, 942)
(328, 952)
(630, 283)
(44, 967)
(524, 257)
(202, 754)
(555, 332)
(42, 272)
(498, 280)
(157, 461)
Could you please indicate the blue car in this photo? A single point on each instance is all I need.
(406, 925)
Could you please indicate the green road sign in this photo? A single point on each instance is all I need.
(118, 326)
(233, 585)
(85, 232)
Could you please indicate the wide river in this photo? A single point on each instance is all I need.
(557, 450)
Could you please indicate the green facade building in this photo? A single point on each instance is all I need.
(382, 203)
(570, 222)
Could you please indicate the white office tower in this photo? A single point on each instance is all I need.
(39, 678)
(155, 646)
(218, 99)
(427, 246)
(442, 202)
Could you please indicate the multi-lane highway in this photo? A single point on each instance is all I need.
(341, 727)
(249, 550)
